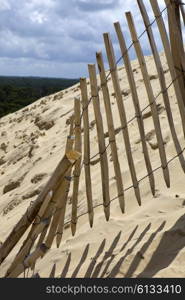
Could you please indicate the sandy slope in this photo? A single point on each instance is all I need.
(146, 241)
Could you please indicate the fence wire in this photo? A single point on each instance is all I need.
(136, 116)
(132, 186)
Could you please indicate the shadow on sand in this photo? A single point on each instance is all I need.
(172, 241)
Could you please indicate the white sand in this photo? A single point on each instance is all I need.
(146, 241)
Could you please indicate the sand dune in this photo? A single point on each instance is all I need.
(146, 241)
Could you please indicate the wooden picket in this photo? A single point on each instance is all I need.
(77, 168)
(111, 130)
(101, 141)
(84, 93)
(182, 13)
(176, 41)
(68, 177)
(167, 50)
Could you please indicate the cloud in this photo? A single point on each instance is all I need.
(4, 5)
(60, 33)
(97, 5)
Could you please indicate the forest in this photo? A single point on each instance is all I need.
(18, 92)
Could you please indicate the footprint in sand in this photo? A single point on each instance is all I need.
(3, 147)
(153, 77)
(154, 144)
(2, 161)
(92, 124)
(148, 114)
(12, 185)
(135, 71)
(166, 71)
(125, 92)
(11, 205)
(4, 134)
(58, 97)
(38, 177)
(43, 124)
(150, 137)
(31, 194)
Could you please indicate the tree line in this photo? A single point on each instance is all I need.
(18, 92)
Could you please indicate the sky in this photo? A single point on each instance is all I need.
(58, 38)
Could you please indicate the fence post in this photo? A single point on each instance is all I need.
(111, 130)
(83, 87)
(69, 146)
(182, 13)
(101, 141)
(77, 168)
(166, 45)
(176, 40)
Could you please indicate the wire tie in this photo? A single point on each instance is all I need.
(106, 205)
(69, 178)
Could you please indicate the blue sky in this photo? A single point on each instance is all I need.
(58, 38)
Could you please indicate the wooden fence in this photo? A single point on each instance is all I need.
(46, 216)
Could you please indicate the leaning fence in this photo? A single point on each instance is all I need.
(46, 216)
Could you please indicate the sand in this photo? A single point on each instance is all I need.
(146, 241)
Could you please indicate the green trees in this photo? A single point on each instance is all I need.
(18, 92)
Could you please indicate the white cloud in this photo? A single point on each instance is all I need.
(38, 17)
(54, 34)
(4, 5)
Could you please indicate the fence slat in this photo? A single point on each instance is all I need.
(162, 81)
(182, 13)
(166, 45)
(77, 168)
(121, 108)
(60, 196)
(42, 214)
(151, 98)
(111, 130)
(84, 94)
(101, 141)
(23, 224)
(62, 208)
(135, 99)
(48, 214)
(60, 228)
(176, 41)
